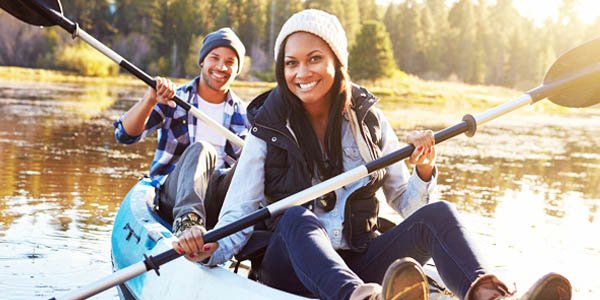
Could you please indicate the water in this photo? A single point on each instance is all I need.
(527, 185)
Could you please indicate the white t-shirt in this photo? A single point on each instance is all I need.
(205, 133)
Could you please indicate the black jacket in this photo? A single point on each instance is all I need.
(286, 172)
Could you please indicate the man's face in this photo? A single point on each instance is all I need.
(219, 68)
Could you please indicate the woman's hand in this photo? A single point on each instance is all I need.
(192, 244)
(423, 157)
(164, 92)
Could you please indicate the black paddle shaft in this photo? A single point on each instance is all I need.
(468, 126)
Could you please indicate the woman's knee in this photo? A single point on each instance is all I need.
(438, 210)
(295, 214)
(296, 217)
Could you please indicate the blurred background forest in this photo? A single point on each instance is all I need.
(472, 41)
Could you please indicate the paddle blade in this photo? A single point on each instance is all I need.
(23, 11)
(577, 72)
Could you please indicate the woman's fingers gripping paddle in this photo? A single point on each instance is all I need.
(423, 157)
(192, 244)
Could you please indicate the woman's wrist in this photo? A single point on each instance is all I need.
(425, 172)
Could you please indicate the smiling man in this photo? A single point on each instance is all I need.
(190, 156)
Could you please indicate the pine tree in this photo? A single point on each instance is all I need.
(346, 11)
(367, 10)
(132, 16)
(174, 25)
(279, 11)
(94, 17)
(436, 34)
(409, 54)
(482, 44)
(371, 57)
(503, 18)
(462, 23)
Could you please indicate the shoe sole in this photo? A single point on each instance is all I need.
(412, 278)
(551, 286)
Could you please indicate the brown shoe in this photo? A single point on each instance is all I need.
(488, 286)
(405, 280)
(551, 286)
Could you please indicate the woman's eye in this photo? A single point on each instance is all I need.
(315, 58)
(290, 63)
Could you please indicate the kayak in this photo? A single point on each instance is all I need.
(139, 231)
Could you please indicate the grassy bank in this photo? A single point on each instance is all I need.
(409, 100)
(53, 76)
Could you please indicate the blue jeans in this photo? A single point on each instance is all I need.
(301, 260)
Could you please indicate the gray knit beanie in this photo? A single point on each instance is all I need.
(322, 24)
(224, 37)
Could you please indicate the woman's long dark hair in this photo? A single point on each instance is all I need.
(307, 139)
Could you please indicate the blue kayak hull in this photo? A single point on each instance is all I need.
(138, 231)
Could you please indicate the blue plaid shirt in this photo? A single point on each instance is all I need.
(177, 130)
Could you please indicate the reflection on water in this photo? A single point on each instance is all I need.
(527, 184)
(62, 180)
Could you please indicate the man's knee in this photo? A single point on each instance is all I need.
(200, 148)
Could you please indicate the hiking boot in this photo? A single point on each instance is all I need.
(551, 286)
(405, 280)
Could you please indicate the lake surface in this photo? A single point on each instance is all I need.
(528, 186)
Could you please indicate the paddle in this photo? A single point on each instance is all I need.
(49, 13)
(572, 81)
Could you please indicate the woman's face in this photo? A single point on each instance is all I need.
(309, 67)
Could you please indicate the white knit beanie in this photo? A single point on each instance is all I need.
(322, 24)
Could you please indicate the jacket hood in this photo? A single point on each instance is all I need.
(268, 109)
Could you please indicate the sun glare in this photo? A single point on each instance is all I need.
(526, 235)
(541, 10)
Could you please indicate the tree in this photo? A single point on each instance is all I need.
(174, 25)
(94, 17)
(279, 11)
(368, 10)
(371, 57)
(503, 20)
(21, 44)
(408, 37)
(346, 11)
(482, 45)
(462, 49)
(132, 16)
(570, 29)
(436, 37)
(250, 23)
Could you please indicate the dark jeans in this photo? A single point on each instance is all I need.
(195, 186)
(301, 260)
